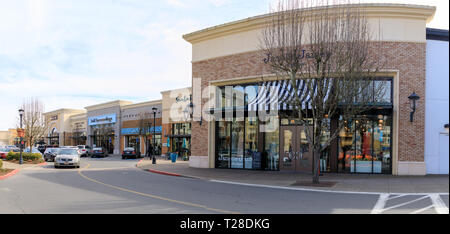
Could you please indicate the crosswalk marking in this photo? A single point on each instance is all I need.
(437, 203)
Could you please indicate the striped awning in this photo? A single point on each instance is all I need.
(281, 95)
(278, 95)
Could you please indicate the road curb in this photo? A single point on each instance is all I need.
(306, 189)
(9, 174)
(165, 173)
(137, 165)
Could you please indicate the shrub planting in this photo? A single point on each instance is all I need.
(25, 156)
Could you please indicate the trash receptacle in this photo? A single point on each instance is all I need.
(174, 157)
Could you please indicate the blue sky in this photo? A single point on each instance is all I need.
(76, 53)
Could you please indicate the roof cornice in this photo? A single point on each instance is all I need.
(371, 9)
(108, 105)
(143, 104)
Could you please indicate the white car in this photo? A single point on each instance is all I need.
(73, 147)
(68, 157)
(84, 150)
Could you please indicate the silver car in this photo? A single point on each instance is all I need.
(68, 158)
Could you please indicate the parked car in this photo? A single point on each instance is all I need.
(85, 150)
(42, 148)
(67, 157)
(129, 152)
(68, 147)
(34, 150)
(50, 154)
(99, 152)
(4, 153)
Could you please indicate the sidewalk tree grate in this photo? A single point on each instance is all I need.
(326, 184)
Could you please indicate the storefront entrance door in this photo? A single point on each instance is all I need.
(294, 150)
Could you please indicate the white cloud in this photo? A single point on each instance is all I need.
(176, 3)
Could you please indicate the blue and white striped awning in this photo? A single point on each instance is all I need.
(281, 95)
(278, 95)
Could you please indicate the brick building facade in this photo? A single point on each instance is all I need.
(228, 55)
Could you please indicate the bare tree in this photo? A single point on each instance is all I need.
(324, 52)
(144, 125)
(33, 121)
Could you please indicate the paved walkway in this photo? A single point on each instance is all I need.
(9, 165)
(338, 182)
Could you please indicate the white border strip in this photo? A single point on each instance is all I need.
(322, 191)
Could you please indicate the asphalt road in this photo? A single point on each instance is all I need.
(112, 185)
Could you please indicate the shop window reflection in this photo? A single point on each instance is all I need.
(252, 158)
(272, 144)
(325, 154)
(237, 144)
(224, 140)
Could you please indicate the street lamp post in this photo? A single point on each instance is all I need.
(154, 132)
(21, 111)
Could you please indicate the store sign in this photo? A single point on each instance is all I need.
(54, 117)
(103, 119)
(140, 115)
(182, 99)
(135, 131)
(303, 54)
(79, 126)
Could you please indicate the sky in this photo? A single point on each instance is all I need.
(77, 53)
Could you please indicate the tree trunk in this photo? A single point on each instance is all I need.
(31, 147)
(316, 162)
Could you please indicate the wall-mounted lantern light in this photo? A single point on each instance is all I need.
(190, 110)
(412, 102)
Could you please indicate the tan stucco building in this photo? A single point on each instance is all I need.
(8, 137)
(176, 121)
(60, 126)
(141, 126)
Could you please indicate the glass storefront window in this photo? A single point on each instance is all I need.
(238, 96)
(365, 145)
(272, 145)
(181, 129)
(237, 144)
(385, 90)
(223, 144)
(382, 144)
(251, 92)
(363, 160)
(325, 155)
(252, 157)
(346, 139)
(133, 141)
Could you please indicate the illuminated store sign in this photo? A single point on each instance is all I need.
(103, 119)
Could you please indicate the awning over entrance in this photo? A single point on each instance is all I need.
(283, 95)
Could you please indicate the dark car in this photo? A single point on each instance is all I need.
(50, 154)
(99, 152)
(129, 152)
(42, 148)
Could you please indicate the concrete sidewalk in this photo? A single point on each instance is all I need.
(333, 182)
(10, 165)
